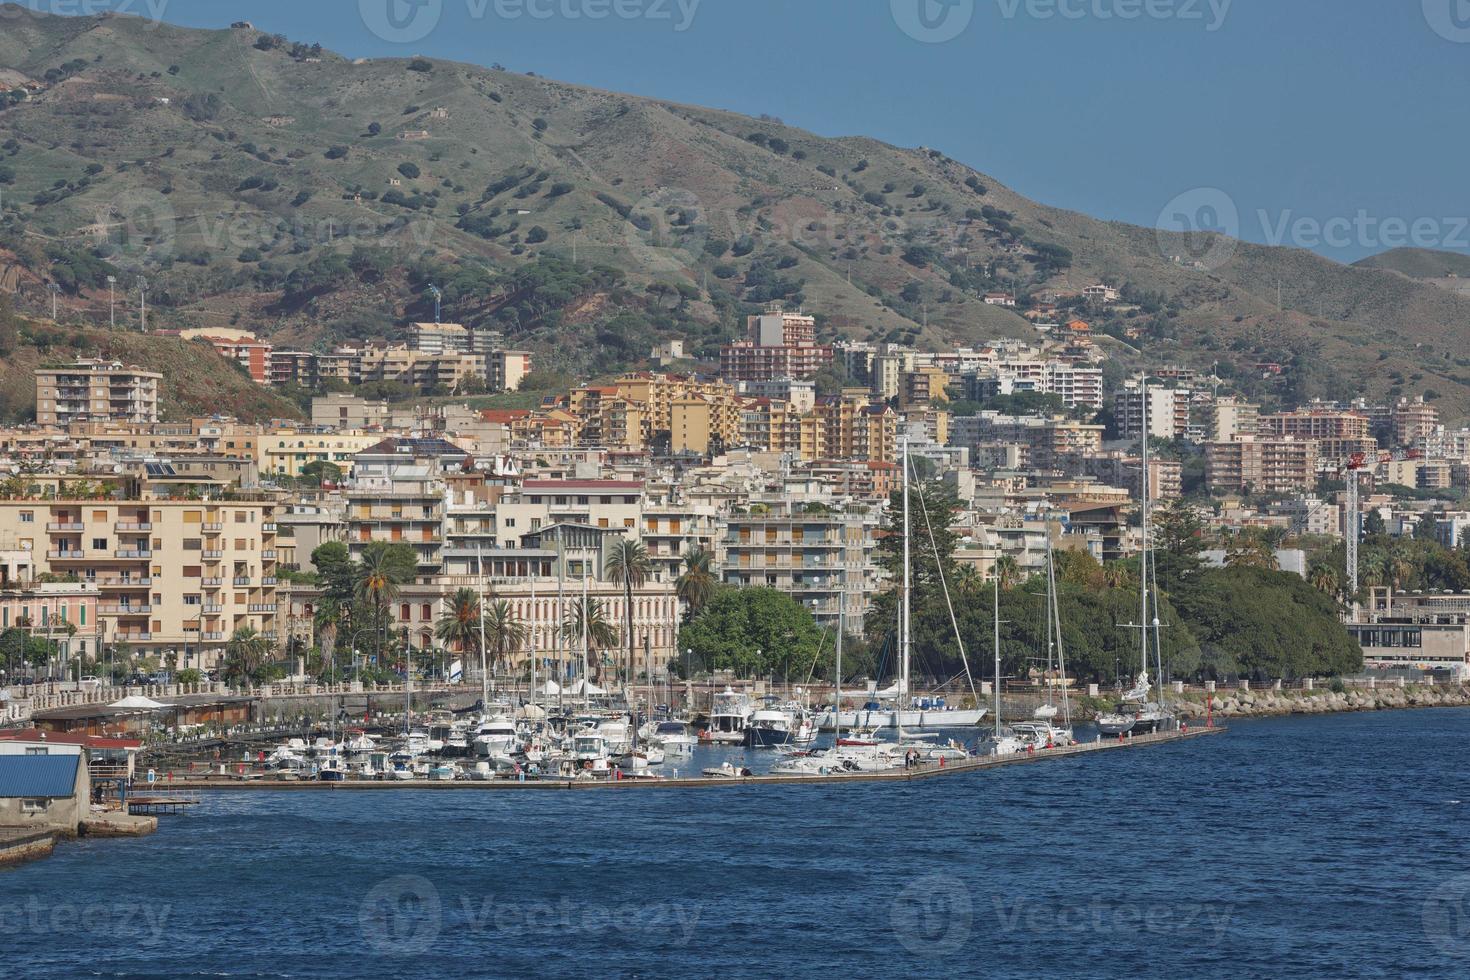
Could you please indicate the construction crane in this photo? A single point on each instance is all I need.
(1354, 528)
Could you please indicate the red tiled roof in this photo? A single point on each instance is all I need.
(69, 738)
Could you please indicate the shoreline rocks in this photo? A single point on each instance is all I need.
(1264, 704)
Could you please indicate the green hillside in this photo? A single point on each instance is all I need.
(261, 183)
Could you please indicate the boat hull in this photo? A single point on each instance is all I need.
(766, 738)
(915, 718)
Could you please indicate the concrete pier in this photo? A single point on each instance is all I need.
(24, 845)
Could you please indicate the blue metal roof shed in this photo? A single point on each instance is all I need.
(38, 776)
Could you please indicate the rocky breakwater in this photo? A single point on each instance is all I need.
(1261, 704)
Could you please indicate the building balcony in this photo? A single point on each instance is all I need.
(71, 526)
(213, 554)
(242, 580)
(271, 579)
(213, 582)
(214, 527)
(211, 636)
(269, 554)
(123, 583)
(66, 554)
(125, 610)
(125, 636)
(262, 607)
(133, 553)
(213, 607)
(132, 527)
(268, 527)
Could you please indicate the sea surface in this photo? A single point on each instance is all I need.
(1297, 847)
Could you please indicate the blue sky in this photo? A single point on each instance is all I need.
(1338, 125)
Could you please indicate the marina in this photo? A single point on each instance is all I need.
(886, 775)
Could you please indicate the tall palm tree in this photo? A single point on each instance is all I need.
(505, 634)
(1115, 575)
(628, 565)
(327, 622)
(697, 582)
(384, 567)
(460, 624)
(1324, 578)
(1007, 571)
(245, 654)
(601, 634)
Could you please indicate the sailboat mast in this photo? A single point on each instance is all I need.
(1143, 551)
(561, 618)
(903, 631)
(996, 692)
(480, 601)
(531, 634)
(837, 673)
(586, 669)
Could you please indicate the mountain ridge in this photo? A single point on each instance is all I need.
(705, 214)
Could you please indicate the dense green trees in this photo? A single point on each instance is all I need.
(753, 632)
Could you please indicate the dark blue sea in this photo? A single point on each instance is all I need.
(1300, 847)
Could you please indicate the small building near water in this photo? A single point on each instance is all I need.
(137, 716)
(44, 786)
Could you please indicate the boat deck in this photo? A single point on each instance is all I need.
(928, 770)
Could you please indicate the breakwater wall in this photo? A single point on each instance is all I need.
(1271, 703)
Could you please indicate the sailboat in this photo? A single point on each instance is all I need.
(1136, 714)
(896, 708)
(1041, 732)
(1001, 741)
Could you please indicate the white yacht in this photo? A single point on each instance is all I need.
(728, 717)
(496, 736)
(674, 738)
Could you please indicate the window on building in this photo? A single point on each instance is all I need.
(28, 517)
(37, 750)
(34, 806)
(99, 544)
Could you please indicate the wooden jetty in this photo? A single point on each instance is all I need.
(928, 770)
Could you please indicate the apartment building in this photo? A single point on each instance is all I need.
(1044, 441)
(171, 574)
(814, 554)
(399, 491)
(285, 452)
(778, 345)
(241, 346)
(63, 612)
(602, 504)
(1415, 422)
(344, 411)
(96, 390)
(1224, 418)
(1261, 465)
(1168, 411)
(440, 338)
(506, 369)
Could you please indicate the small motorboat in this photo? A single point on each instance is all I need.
(727, 771)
